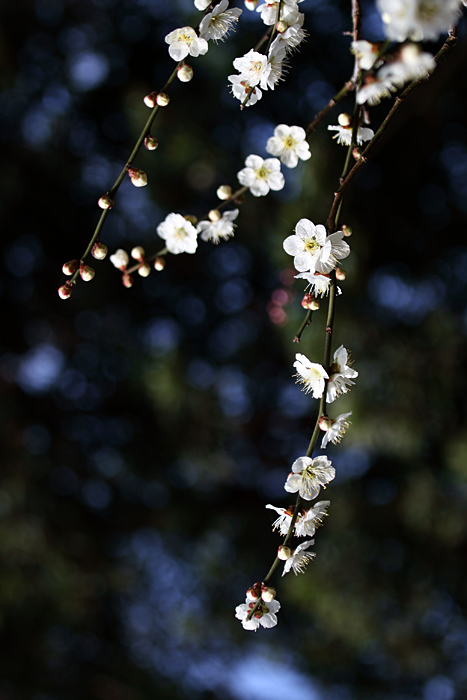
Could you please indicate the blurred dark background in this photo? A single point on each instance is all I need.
(144, 430)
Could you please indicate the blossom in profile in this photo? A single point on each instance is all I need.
(185, 41)
(311, 374)
(310, 519)
(309, 475)
(318, 284)
(289, 144)
(223, 228)
(218, 23)
(264, 615)
(341, 375)
(299, 559)
(261, 175)
(344, 133)
(180, 235)
(366, 53)
(283, 521)
(334, 428)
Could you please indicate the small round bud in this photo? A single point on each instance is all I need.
(86, 273)
(151, 143)
(127, 280)
(251, 4)
(70, 267)
(224, 192)
(191, 218)
(159, 263)
(284, 553)
(340, 274)
(137, 253)
(306, 301)
(105, 202)
(325, 423)
(344, 119)
(268, 593)
(254, 592)
(356, 153)
(282, 27)
(162, 99)
(314, 304)
(144, 269)
(214, 215)
(120, 259)
(138, 177)
(65, 291)
(150, 100)
(99, 250)
(347, 231)
(185, 73)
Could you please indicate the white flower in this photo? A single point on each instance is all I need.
(310, 519)
(276, 62)
(289, 12)
(185, 41)
(312, 250)
(253, 67)
(311, 375)
(283, 521)
(215, 230)
(318, 284)
(308, 475)
(366, 53)
(337, 430)
(340, 375)
(289, 144)
(374, 90)
(413, 63)
(299, 559)
(344, 134)
(241, 89)
(180, 235)
(120, 259)
(218, 23)
(202, 4)
(265, 615)
(418, 19)
(261, 175)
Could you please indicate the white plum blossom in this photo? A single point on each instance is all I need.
(218, 23)
(313, 251)
(413, 63)
(366, 53)
(283, 521)
(253, 67)
(310, 519)
(373, 90)
(276, 61)
(289, 144)
(341, 375)
(202, 4)
(264, 615)
(293, 35)
(311, 374)
(185, 41)
(215, 230)
(418, 19)
(308, 475)
(344, 134)
(241, 90)
(337, 429)
(120, 259)
(289, 12)
(318, 284)
(180, 235)
(261, 175)
(299, 559)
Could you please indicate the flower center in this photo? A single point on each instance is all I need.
(289, 142)
(262, 172)
(312, 245)
(179, 234)
(427, 10)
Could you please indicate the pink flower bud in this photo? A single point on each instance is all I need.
(105, 202)
(357, 153)
(65, 291)
(224, 192)
(137, 253)
(340, 274)
(214, 215)
(268, 593)
(306, 301)
(325, 423)
(284, 553)
(347, 231)
(314, 304)
(150, 100)
(70, 267)
(185, 73)
(151, 143)
(251, 4)
(162, 99)
(254, 592)
(86, 272)
(99, 250)
(144, 269)
(138, 177)
(159, 263)
(127, 280)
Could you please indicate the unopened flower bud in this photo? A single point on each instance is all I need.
(65, 291)
(325, 423)
(268, 593)
(344, 119)
(191, 218)
(137, 253)
(138, 177)
(282, 27)
(162, 99)
(159, 263)
(120, 259)
(340, 274)
(224, 192)
(86, 273)
(150, 100)
(356, 153)
(105, 202)
(314, 304)
(284, 553)
(254, 592)
(70, 267)
(306, 301)
(347, 231)
(185, 73)
(99, 250)
(151, 143)
(127, 280)
(251, 4)
(144, 269)
(214, 215)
